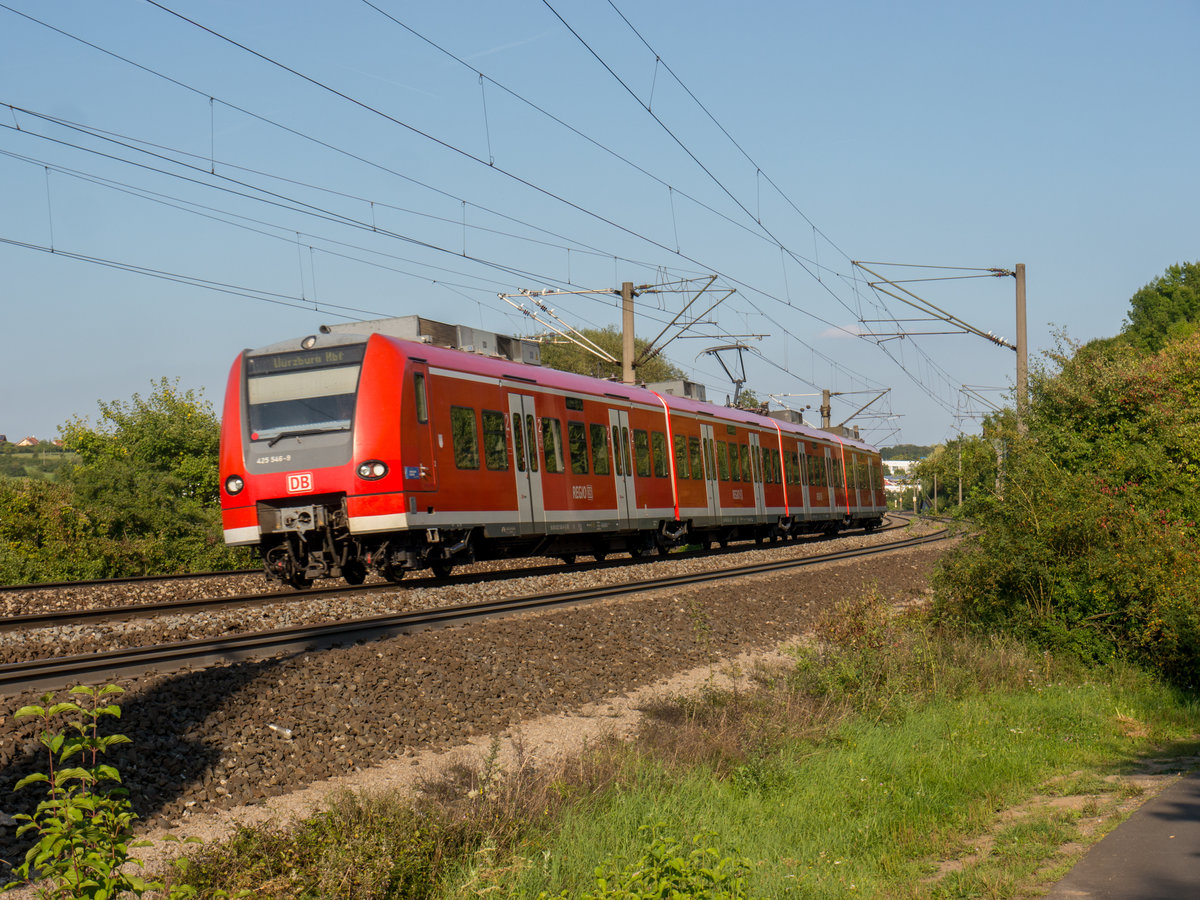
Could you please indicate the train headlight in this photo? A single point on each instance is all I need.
(234, 484)
(372, 470)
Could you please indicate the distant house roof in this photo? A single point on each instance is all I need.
(28, 442)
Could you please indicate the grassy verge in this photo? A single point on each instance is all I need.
(890, 760)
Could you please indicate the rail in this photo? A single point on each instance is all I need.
(58, 672)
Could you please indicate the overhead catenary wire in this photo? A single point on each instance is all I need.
(916, 379)
(580, 246)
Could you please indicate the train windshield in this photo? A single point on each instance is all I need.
(300, 399)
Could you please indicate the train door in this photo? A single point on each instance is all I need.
(710, 470)
(860, 476)
(799, 497)
(618, 421)
(832, 467)
(420, 473)
(531, 510)
(760, 503)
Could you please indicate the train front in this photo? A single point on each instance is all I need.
(287, 456)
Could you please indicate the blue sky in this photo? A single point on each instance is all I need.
(1057, 134)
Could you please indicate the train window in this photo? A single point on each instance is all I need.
(857, 475)
(731, 429)
(723, 460)
(662, 465)
(802, 459)
(465, 437)
(518, 441)
(577, 445)
(710, 466)
(575, 403)
(816, 470)
(793, 467)
(744, 453)
(641, 452)
(531, 440)
(422, 402)
(616, 447)
(694, 457)
(625, 450)
(600, 450)
(495, 446)
(836, 470)
(681, 457)
(756, 462)
(552, 449)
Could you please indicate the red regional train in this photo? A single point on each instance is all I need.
(347, 453)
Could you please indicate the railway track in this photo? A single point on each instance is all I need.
(58, 672)
(125, 612)
(128, 579)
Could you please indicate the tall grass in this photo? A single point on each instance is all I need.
(885, 749)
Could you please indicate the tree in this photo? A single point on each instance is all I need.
(905, 451)
(1092, 541)
(1168, 307)
(44, 536)
(147, 474)
(558, 353)
(971, 458)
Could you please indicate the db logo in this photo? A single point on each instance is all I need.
(299, 483)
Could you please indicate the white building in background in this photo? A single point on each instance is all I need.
(898, 485)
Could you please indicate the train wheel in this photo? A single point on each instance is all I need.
(298, 581)
(442, 567)
(392, 574)
(568, 559)
(354, 572)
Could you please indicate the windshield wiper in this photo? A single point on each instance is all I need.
(301, 433)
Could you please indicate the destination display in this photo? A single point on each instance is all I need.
(322, 358)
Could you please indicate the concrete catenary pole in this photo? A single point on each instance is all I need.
(627, 332)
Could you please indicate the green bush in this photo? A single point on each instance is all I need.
(141, 500)
(668, 870)
(1092, 544)
(84, 827)
(360, 848)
